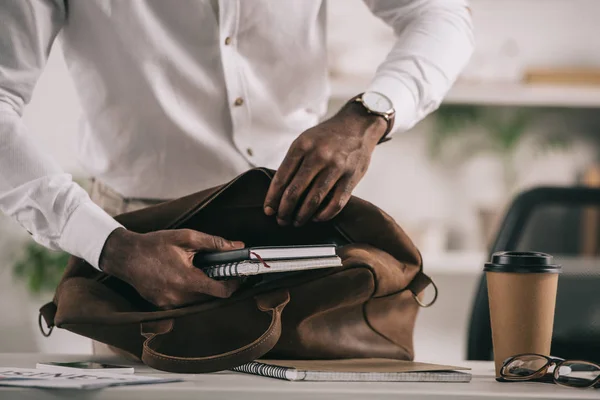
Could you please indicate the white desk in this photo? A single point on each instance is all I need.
(230, 385)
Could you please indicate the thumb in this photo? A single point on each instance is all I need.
(198, 285)
(194, 240)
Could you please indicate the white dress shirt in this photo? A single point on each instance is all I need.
(182, 95)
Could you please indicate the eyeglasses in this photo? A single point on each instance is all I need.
(571, 373)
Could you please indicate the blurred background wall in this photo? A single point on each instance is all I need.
(507, 124)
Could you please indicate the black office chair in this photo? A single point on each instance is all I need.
(564, 222)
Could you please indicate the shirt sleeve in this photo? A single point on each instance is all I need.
(434, 41)
(34, 190)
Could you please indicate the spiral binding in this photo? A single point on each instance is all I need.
(272, 371)
(230, 269)
(222, 270)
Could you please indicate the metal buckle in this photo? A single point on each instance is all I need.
(46, 334)
(423, 305)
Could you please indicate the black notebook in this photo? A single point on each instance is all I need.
(202, 260)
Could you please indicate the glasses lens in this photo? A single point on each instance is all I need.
(577, 374)
(524, 366)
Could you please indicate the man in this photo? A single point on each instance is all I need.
(182, 95)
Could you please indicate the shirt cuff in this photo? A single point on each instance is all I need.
(402, 99)
(86, 232)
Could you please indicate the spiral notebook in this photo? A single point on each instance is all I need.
(355, 370)
(246, 268)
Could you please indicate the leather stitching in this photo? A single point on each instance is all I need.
(204, 360)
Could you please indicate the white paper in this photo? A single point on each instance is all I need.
(51, 367)
(30, 377)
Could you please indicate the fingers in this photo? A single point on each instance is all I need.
(341, 195)
(193, 240)
(187, 284)
(289, 188)
(282, 177)
(296, 190)
(319, 190)
(198, 284)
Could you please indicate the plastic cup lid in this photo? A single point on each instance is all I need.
(522, 262)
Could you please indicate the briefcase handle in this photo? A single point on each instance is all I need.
(272, 303)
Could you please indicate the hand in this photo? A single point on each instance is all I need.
(159, 265)
(323, 166)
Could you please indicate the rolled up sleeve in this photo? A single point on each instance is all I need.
(434, 41)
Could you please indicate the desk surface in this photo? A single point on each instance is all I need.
(231, 385)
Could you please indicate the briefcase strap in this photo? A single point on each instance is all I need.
(418, 285)
(47, 312)
(273, 303)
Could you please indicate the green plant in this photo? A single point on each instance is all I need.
(451, 122)
(40, 268)
(462, 131)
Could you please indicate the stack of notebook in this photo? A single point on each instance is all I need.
(266, 260)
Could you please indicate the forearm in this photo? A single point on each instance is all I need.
(42, 198)
(434, 43)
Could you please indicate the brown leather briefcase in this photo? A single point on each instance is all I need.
(367, 308)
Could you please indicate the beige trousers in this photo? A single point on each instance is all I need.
(114, 204)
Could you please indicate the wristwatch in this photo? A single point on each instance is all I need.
(378, 104)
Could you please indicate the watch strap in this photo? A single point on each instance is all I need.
(389, 118)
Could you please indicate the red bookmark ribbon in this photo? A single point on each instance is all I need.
(260, 259)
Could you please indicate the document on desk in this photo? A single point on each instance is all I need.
(30, 377)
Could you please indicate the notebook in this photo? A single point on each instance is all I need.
(355, 370)
(264, 253)
(247, 268)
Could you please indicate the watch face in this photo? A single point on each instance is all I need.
(377, 102)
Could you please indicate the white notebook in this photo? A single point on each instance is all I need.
(356, 370)
(246, 268)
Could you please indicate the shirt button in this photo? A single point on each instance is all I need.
(227, 41)
(239, 101)
(249, 151)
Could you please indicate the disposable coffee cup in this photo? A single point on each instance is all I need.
(522, 295)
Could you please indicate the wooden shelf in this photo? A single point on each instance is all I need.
(524, 95)
(495, 94)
